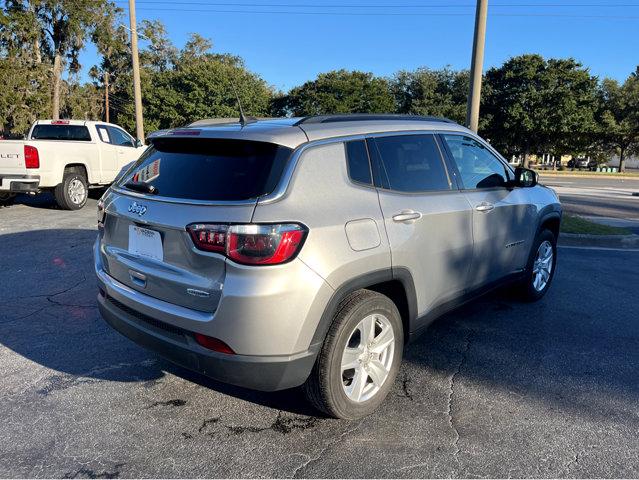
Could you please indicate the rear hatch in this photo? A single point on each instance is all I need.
(178, 182)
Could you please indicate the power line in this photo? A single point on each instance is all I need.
(311, 5)
(393, 14)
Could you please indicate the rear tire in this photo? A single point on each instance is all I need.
(72, 193)
(7, 199)
(541, 268)
(360, 357)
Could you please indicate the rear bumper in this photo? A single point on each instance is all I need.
(266, 373)
(19, 183)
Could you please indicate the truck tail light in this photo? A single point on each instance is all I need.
(31, 157)
(254, 244)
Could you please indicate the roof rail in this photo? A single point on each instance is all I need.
(364, 117)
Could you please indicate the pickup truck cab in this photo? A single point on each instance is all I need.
(65, 157)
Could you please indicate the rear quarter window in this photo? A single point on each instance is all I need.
(77, 133)
(210, 169)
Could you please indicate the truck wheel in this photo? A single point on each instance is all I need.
(6, 199)
(72, 193)
(360, 358)
(540, 269)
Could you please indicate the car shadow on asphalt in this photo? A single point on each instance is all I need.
(568, 350)
(46, 200)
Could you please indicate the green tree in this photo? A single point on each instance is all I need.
(202, 85)
(532, 105)
(111, 41)
(440, 93)
(619, 117)
(339, 91)
(67, 24)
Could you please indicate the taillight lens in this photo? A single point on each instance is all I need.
(31, 157)
(250, 244)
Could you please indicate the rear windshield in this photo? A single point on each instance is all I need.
(61, 132)
(208, 169)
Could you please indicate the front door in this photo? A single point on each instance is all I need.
(125, 147)
(427, 219)
(502, 215)
(108, 155)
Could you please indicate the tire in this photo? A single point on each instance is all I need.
(72, 193)
(6, 199)
(529, 289)
(334, 390)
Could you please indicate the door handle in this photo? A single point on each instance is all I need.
(484, 207)
(407, 216)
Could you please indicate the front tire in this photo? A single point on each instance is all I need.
(360, 357)
(541, 267)
(72, 193)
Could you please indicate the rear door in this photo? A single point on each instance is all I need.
(145, 244)
(428, 221)
(502, 215)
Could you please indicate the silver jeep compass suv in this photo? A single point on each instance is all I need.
(308, 251)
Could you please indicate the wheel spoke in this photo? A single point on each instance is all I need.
(383, 340)
(350, 358)
(367, 327)
(357, 386)
(377, 372)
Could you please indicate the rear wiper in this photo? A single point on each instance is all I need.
(142, 187)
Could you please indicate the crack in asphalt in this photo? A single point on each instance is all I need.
(451, 391)
(406, 388)
(177, 402)
(90, 473)
(573, 461)
(48, 296)
(304, 466)
(62, 382)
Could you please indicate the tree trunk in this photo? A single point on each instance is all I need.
(622, 160)
(57, 75)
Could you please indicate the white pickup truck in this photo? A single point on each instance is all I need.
(65, 157)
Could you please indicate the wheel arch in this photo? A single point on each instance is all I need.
(79, 167)
(396, 283)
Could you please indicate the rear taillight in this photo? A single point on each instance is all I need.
(31, 157)
(250, 244)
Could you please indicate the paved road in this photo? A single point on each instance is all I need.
(496, 389)
(603, 197)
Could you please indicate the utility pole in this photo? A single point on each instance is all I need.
(137, 91)
(477, 66)
(106, 97)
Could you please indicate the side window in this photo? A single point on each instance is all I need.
(478, 167)
(359, 169)
(103, 133)
(411, 163)
(118, 137)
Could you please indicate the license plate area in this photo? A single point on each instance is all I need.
(145, 242)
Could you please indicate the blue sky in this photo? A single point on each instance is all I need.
(288, 49)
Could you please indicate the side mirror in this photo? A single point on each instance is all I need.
(138, 143)
(525, 177)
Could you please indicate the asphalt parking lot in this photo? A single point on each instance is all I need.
(497, 389)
